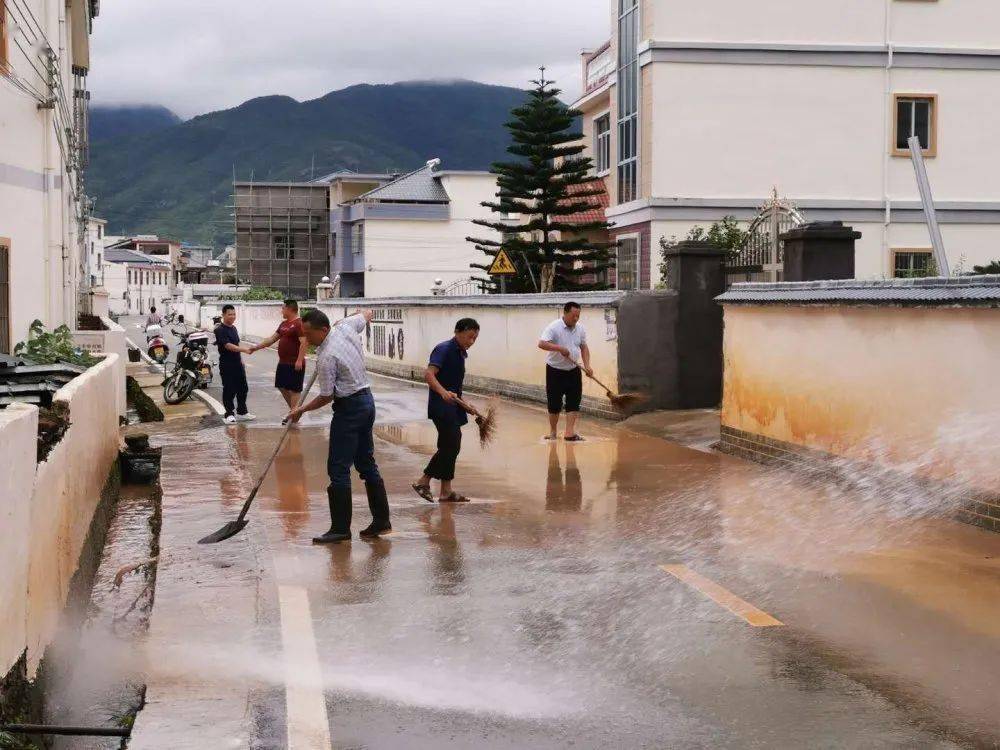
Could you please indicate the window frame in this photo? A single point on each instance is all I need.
(4, 31)
(638, 261)
(932, 141)
(358, 238)
(6, 317)
(606, 137)
(896, 251)
(282, 243)
(628, 28)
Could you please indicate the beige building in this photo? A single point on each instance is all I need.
(698, 109)
(44, 60)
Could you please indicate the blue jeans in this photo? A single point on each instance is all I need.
(351, 440)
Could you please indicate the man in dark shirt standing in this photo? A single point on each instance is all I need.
(445, 375)
(234, 376)
(292, 346)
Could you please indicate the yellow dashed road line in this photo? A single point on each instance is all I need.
(744, 610)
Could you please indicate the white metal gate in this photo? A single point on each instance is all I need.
(762, 256)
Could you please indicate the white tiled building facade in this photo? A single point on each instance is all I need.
(698, 109)
(44, 59)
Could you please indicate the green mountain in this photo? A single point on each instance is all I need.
(176, 181)
(120, 122)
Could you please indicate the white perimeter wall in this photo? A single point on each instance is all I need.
(507, 348)
(47, 508)
(19, 434)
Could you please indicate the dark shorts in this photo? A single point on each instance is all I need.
(288, 378)
(563, 385)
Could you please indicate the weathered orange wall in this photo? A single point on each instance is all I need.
(913, 388)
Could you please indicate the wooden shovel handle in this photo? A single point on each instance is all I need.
(592, 377)
(469, 408)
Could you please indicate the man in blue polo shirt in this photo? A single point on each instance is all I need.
(445, 376)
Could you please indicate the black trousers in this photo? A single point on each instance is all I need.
(234, 388)
(449, 445)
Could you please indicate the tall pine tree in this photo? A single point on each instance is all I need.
(549, 182)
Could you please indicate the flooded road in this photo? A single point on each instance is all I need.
(540, 615)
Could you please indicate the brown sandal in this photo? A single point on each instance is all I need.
(454, 497)
(424, 490)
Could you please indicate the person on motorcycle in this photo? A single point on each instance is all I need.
(292, 345)
(154, 318)
(234, 376)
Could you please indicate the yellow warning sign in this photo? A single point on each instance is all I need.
(502, 265)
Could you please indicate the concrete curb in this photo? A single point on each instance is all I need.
(201, 395)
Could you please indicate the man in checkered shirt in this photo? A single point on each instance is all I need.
(343, 381)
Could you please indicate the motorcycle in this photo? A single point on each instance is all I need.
(156, 345)
(193, 368)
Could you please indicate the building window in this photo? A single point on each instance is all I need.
(628, 100)
(915, 115)
(912, 264)
(627, 266)
(602, 144)
(282, 247)
(358, 238)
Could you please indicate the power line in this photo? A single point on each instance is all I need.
(31, 14)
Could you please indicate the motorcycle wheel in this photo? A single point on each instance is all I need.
(178, 387)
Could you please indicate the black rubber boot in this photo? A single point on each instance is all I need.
(340, 515)
(378, 504)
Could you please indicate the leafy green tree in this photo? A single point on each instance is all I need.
(725, 233)
(990, 268)
(547, 182)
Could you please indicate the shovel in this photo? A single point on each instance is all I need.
(233, 528)
(621, 401)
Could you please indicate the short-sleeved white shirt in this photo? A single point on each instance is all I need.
(573, 339)
(340, 359)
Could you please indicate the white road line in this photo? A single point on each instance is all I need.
(201, 395)
(308, 723)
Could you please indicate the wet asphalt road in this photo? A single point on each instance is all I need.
(539, 616)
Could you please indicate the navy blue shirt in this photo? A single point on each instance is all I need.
(227, 335)
(449, 358)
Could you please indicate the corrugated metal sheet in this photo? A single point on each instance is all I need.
(934, 291)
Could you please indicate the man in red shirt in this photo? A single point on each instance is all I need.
(289, 376)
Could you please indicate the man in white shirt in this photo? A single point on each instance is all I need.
(565, 339)
(343, 381)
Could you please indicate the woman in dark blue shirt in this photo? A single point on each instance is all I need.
(445, 376)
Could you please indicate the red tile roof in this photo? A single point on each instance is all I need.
(598, 203)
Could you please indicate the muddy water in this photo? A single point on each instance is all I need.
(537, 615)
(93, 676)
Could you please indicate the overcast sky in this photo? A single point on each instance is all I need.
(195, 56)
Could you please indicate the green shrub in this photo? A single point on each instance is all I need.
(49, 348)
(258, 294)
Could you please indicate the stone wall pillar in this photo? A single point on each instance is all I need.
(670, 342)
(820, 251)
